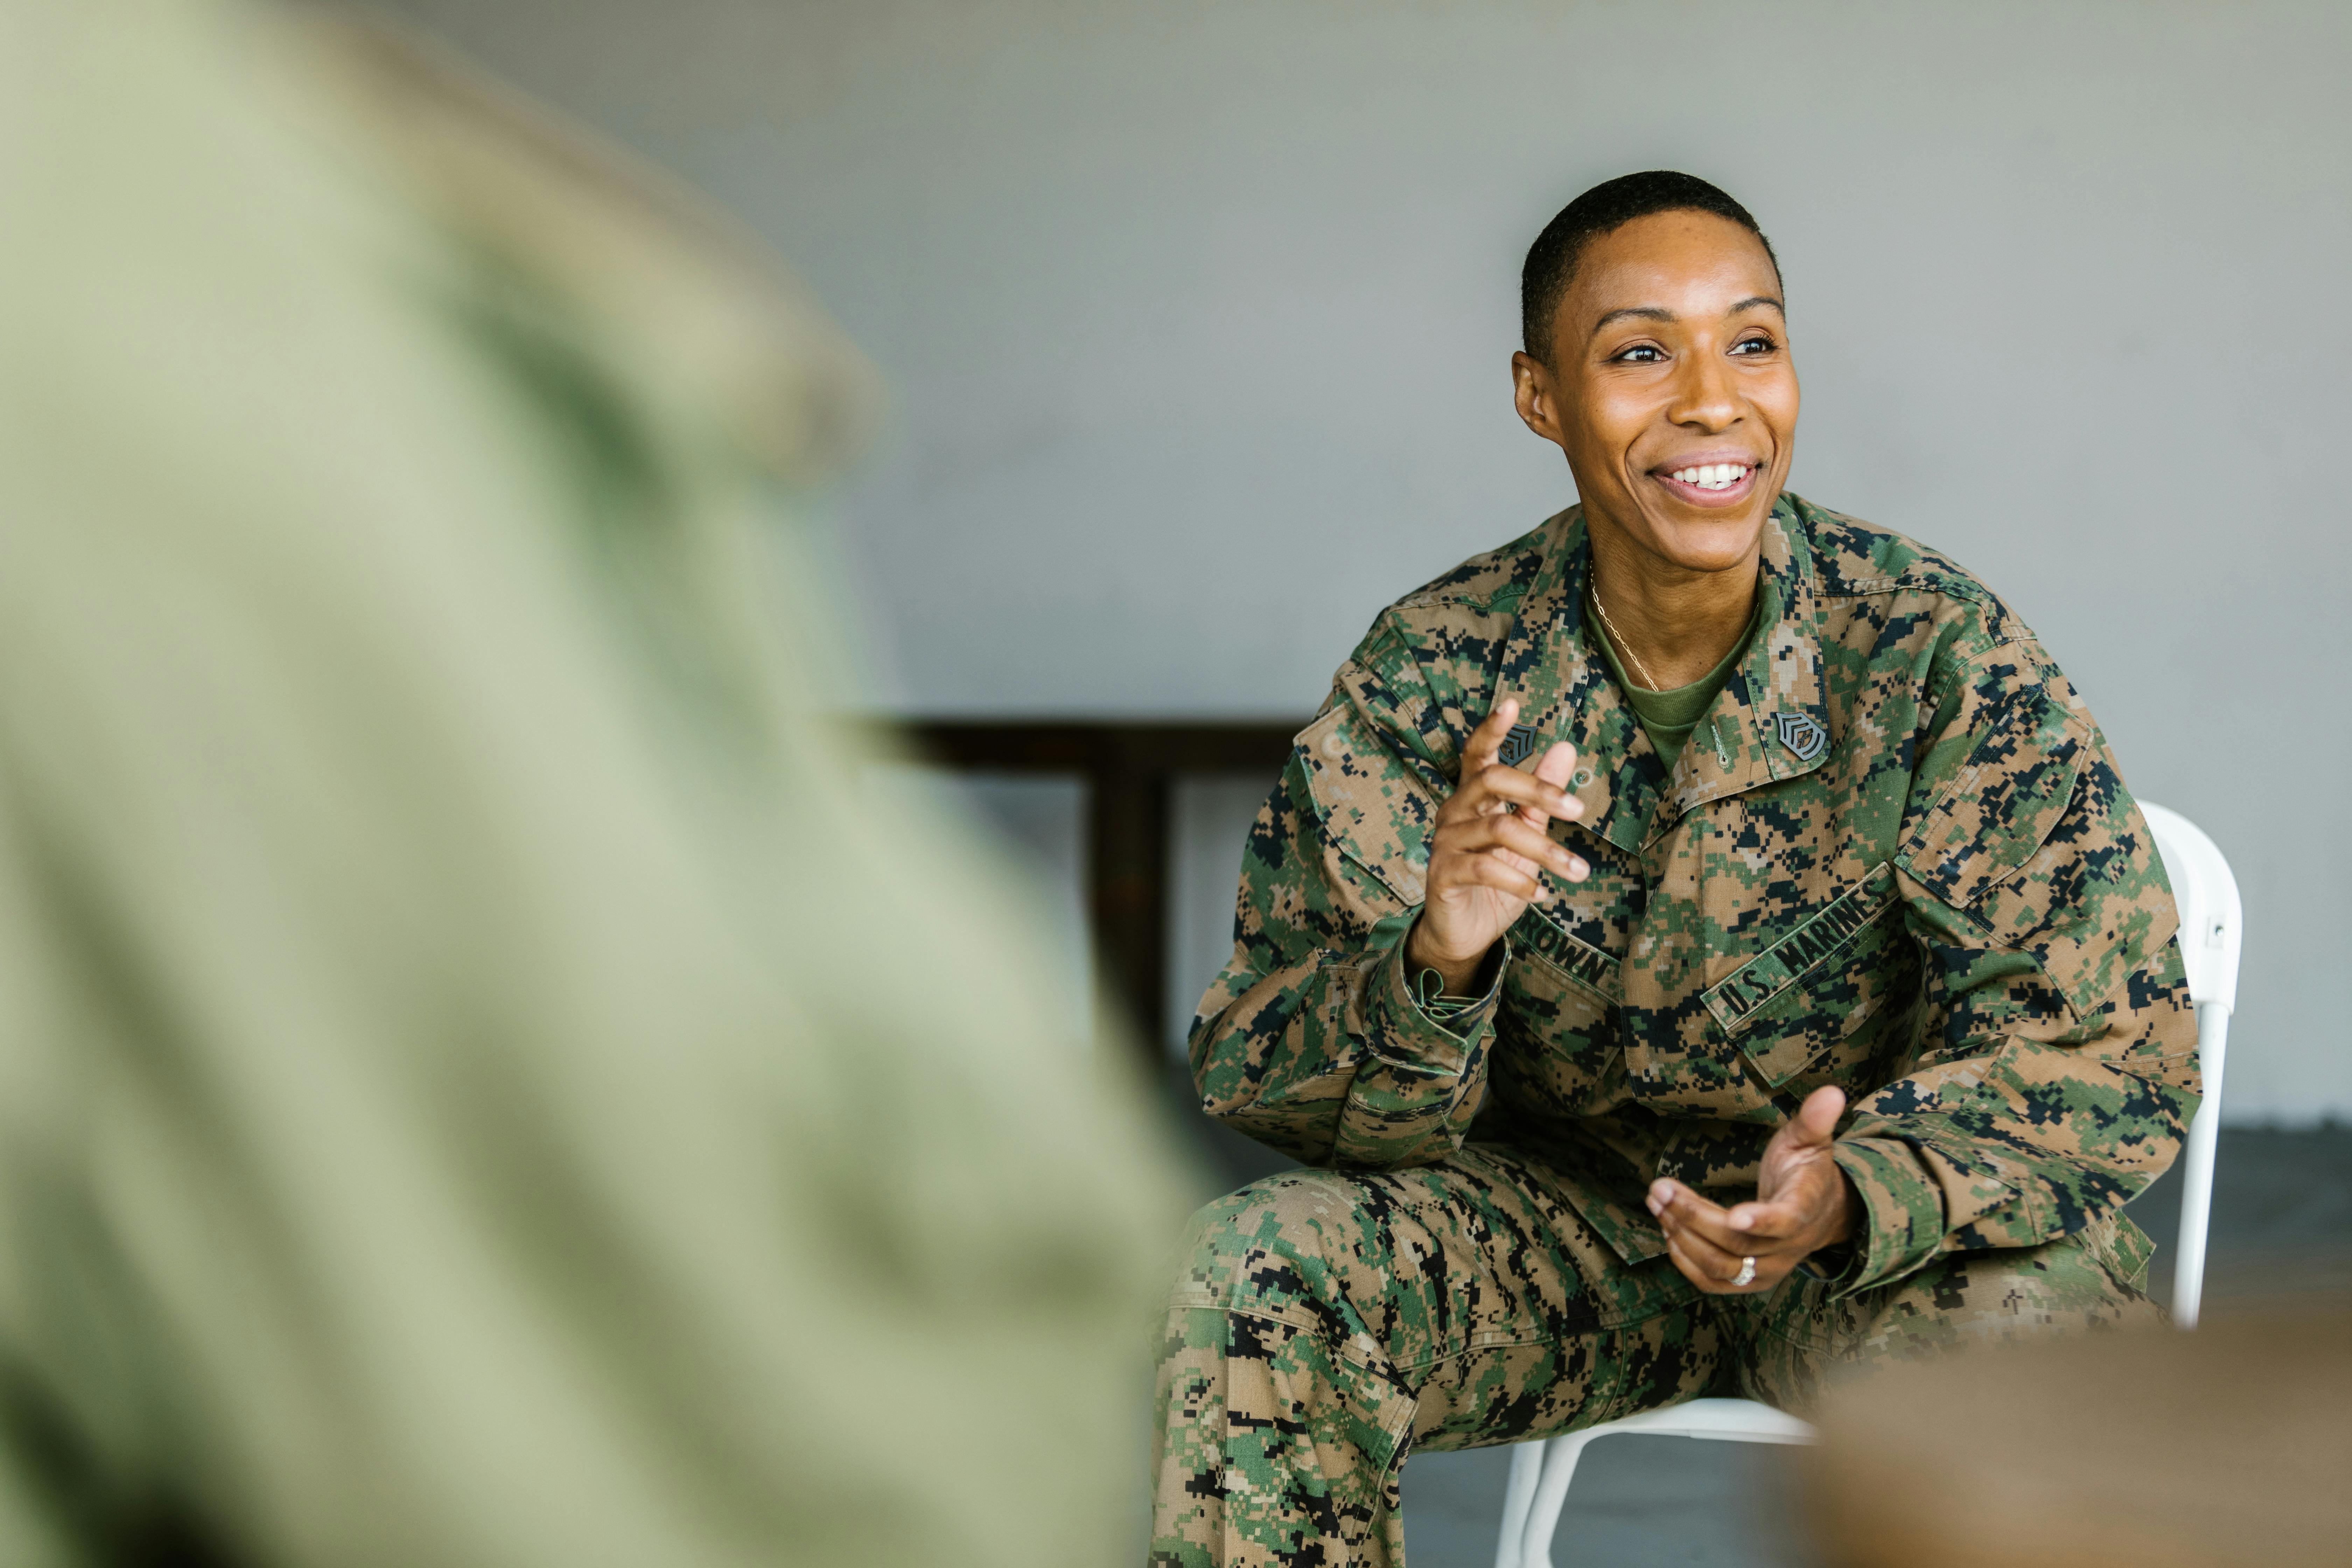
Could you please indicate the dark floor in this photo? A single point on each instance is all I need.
(2281, 1228)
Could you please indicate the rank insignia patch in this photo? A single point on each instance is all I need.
(1518, 745)
(1802, 734)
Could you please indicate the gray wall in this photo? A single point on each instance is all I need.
(1197, 319)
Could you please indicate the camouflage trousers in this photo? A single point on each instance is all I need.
(1326, 1324)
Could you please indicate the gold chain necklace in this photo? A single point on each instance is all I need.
(1649, 680)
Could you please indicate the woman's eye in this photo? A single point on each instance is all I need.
(1753, 346)
(1641, 353)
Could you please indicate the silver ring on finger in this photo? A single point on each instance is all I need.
(1747, 1274)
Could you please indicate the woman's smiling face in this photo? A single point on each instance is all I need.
(1670, 388)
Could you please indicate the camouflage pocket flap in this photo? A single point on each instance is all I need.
(1737, 998)
(2006, 799)
(1373, 807)
(1589, 966)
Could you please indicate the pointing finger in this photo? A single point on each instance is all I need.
(1486, 744)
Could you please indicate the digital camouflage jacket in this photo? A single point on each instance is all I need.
(1896, 855)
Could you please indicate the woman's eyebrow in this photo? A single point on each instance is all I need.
(1660, 313)
(1645, 312)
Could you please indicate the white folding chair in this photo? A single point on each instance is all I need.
(2210, 938)
(2212, 933)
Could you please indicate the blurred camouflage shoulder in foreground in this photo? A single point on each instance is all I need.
(463, 1095)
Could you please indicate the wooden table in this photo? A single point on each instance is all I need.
(1129, 767)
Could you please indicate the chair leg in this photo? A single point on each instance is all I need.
(1543, 1514)
(1527, 1470)
(2197, 1168)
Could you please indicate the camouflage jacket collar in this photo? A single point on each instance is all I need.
(1771, 721)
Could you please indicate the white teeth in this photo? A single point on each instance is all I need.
(1712, 475)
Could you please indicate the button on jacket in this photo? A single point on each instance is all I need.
(1896, 855)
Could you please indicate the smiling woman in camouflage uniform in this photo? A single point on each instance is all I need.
(1701, 942)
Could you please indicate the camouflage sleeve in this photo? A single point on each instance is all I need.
(2056, 1067)
(1315, 1040)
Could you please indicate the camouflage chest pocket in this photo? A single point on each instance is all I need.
(2002, 806)
(1559, 1052)
(1819, 984)
(1373, 807)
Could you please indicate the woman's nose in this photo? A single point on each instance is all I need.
(1704, 398)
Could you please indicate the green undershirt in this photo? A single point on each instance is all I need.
(1669, 717)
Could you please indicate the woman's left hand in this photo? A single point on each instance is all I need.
(1803, 1202)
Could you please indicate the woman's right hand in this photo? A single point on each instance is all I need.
(1484, 858)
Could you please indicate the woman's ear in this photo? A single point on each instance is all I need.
(1538, 395)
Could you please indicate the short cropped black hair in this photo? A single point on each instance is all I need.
(1551, 259)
